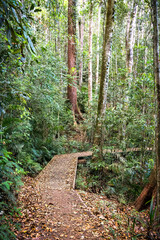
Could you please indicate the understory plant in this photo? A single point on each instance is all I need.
(10, 181)
(153, 225)
(114, 175)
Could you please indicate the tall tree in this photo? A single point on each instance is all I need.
(154, 179)
(81, 34)
(157, 81)
(72, 80)
(104, 78)
(130, 37)
(90, 53)
(98, 33)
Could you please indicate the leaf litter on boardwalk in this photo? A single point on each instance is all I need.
(39, 219)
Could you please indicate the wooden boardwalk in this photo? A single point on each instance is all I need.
(55, 186)
(60, 172)
(68, 215)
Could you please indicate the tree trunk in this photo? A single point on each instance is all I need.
(139, 14)
(90, 55)
(147, 192)
(81, 47)
(106, 54)
(154, 4)
(153, 186)
(130, 37)
(72, 80)
(98, 32)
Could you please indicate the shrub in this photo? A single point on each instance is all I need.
(10, 181)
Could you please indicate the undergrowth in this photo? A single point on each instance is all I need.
(114, 176)
(10, 181)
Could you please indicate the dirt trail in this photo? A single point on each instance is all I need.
(55, 184)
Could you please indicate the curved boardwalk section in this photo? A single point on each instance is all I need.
(60, 172)
(56, 184)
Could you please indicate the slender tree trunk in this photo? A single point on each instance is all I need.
(98, 32)
(106, 54)
(55, 35)
(81, 47)
(130, 37)
(157, 81)
(104, 18)
(90, 55)
(72, 81)
(46, 34)
(138, 38)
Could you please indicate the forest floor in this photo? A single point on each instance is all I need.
(52, 209)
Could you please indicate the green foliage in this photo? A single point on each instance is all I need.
(152, 214)
(150, 223)
(34, 113)
(36, 119)
(80, 182)
(121, 177)
(14, 22)
(131, 228)
(50, 114)
(10, 181)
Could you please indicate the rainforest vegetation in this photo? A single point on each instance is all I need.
(80, 75)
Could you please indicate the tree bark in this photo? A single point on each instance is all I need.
(154, 4)
(139, 14)
(130, 40)
(81, 47)
(72, 80)
(147, 192)
(130, 37)
(98, 32)
(104, 78)
(90, 54)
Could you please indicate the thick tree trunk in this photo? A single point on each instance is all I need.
(72, 81)
(106, 54)
(154, 4)
(90, 55)
(98, 32)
